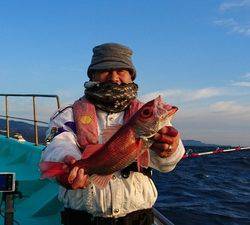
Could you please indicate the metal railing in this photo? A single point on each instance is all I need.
(160, 219)
(33, 96)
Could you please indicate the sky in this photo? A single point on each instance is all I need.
(194, 53)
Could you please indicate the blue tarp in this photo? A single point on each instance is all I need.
(39, 205)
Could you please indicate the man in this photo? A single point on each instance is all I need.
(110, 99)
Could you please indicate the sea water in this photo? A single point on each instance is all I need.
(212, 189)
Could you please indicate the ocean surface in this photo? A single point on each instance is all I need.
(212, 189)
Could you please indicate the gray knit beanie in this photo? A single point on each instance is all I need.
(111, 56)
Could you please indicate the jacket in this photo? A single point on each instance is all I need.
(121, 196)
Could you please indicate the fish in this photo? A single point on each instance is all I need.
(130, 143)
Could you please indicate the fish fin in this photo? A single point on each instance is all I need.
(143, 160)
(100, 181)
(52, 169)
(90, 149)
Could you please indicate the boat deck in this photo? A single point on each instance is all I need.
(22, 158)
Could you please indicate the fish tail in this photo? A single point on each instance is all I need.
(52, 169)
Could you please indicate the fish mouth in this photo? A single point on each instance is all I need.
(166, 113)
(172, 111)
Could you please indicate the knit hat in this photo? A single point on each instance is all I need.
(111, 56)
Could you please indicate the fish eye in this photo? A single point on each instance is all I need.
(146, 112)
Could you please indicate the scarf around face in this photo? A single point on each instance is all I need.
(110, 97)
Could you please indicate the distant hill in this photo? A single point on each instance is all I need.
(196, 143)
(198, 146)
(27, 131)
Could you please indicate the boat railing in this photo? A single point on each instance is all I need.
(160, 219)
(34, 120)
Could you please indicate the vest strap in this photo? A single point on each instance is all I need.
(133, 167)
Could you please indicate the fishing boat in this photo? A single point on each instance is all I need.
(26, 205)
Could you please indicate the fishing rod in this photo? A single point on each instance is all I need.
(216, 151)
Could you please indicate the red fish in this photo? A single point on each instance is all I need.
(131, 142)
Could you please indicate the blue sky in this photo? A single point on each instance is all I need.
(194, 53)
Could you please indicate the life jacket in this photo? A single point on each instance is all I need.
(84, 114)
(85, 118)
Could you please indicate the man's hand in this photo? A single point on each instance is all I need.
(166, 141)
(76, 178)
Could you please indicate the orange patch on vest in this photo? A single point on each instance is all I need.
(86, 119)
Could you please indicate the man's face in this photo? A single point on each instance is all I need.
(118, 76)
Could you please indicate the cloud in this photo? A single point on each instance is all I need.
(218, 115)
(244, 83)
(229, 108)
(246, 76)
(235, 4)
(225, 22)
(241, 84)
(164, 93)
(204, 93)
(237, 23)
(233, 26)
(222, 122)
(185, 95)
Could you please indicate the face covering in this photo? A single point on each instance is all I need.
(110, 97)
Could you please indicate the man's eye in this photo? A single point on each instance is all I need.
(121, 72)
(105, 73)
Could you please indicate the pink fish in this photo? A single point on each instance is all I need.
(131, 142)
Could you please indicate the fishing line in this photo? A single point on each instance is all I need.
(216, 151)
